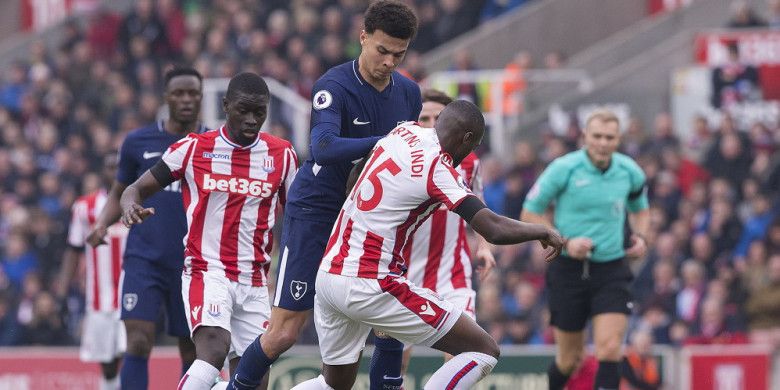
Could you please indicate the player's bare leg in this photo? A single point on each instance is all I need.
(569, 347)
(609, 330)
(211, 345)
(283, 330)
(475, 354)
(187, 353)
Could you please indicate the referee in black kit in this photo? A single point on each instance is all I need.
(592, 189)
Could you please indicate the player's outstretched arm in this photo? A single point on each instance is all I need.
(328, 147)
(108, 215)
(501, 230)
(149, 183)
(132, 211)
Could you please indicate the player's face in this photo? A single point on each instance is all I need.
(601, 140)
(429, 114)
(381, 54)
(245, 116)
(183, 96)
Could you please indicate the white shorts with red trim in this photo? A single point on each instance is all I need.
(103, 337)
(346, 308)
(463, 299)
(211, 299)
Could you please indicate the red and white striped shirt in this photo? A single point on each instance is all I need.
(104, 263)
(438, 255)
(407, 177)
(231, 193)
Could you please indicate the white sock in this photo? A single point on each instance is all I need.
(109, 384)
(317, 383)
(462, 371)
(200, 376)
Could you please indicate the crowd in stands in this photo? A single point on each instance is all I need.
(63, 108)
(712, 274)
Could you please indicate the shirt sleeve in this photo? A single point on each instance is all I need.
(328, 146)
(547, 187)
(178, 155)
(291, 169)
(637, 198)
(127, 169)
(77, 231)
(444, 184)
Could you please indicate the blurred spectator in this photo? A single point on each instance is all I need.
(713, 327)
(102, 30)
(743, 16)
(729, 158)
(639, 369)
(143, 22)
(774, 14)
(734, 82)
(46, 327)
(18, 261)
(9, 328)
(14, 88)
(464, 61)
(455, 18)
(756, 226)
(514, 87)
(763, 308)
(663, 135)
(689, 297)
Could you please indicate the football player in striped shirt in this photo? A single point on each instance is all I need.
(103, 334)
(409, 174)
(232, 179)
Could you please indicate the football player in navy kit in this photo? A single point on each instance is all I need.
(154, 255)
(354, 105)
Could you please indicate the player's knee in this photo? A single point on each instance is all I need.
(212, 344)
(567, 362)
(139, 342)
(491, 348)
(609, 349)
(287, 338)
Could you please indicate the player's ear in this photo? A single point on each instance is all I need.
(225, 104)
(363, 37)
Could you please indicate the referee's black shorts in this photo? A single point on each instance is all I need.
(573, 300)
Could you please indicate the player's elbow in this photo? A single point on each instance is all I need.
(488, 225)
(322, 157)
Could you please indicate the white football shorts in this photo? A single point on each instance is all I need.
(102, 337)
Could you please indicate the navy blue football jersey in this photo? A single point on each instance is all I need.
(160, 239)
(344, 99)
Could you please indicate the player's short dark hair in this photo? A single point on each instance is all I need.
(436, 96)
(396, 19)
(182, 71)
(468, 114)
(246, 82)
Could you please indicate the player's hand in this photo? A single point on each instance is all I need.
(97, 236)
(638, 247)
(136, 214)
(579, 247)
(485, 256)
(553, 243)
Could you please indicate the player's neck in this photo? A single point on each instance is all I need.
(180, 128)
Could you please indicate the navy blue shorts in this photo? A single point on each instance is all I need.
(146, 287)
(301, 247)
